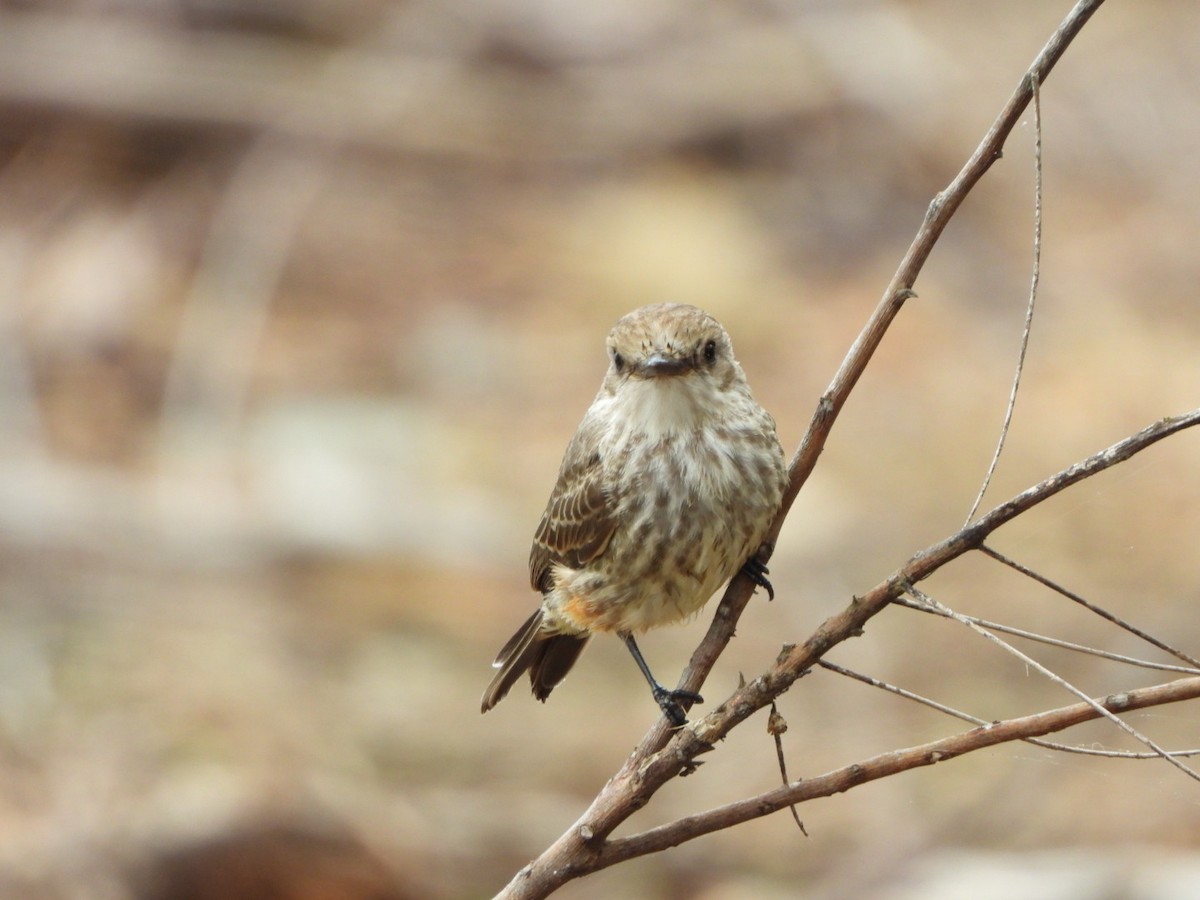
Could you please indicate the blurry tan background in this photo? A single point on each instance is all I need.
(300, 302)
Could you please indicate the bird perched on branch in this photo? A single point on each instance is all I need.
(666, 491)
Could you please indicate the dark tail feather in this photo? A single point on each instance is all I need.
(547, 658)
(558, 654)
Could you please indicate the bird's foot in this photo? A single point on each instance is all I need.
(669, 702)
(757, 572)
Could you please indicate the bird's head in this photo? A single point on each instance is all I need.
(670, 340)
(675, 362)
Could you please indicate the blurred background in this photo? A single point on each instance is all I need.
(301, 301)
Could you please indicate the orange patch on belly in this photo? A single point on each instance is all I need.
(586, 614)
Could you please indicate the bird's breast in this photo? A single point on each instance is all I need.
(691, 508)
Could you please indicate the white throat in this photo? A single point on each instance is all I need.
(662, 406)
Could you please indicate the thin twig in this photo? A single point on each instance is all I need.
(901, 692)
(967, 717)
(1055, 642)
(776, 726)
(1059, 680)
(1091, 607)
(1033, 287)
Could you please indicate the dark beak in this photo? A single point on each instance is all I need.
(659, 365)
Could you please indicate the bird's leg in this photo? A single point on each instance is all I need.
(668, 701)
(756, 570)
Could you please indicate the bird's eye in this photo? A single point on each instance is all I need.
(710, 352)
(618, 361)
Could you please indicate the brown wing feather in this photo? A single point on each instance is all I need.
(579, 519)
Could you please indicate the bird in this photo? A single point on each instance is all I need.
(667, 489)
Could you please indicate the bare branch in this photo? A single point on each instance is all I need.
(1053, 642)
(1059, 680)
(1103, 613)
(967, 717)
(793, 663)
(660, 756)
(583, 848)
(891, 763)
(900, 692)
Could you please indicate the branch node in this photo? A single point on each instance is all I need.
(935, 206)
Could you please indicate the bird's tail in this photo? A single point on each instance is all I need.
(547, 657)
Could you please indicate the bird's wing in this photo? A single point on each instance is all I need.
(580, 516)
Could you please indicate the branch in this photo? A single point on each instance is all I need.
(584, 848)
(1032, 663)
(1092, 607)
(654, 762)
(891, 763)
(967, 717)
(1046, 639)
(795, 661)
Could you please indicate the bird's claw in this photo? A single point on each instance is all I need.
(669, 703)
(757, 572)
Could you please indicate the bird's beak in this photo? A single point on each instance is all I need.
(659, 365)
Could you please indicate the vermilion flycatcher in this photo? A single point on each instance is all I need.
(666, 490)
